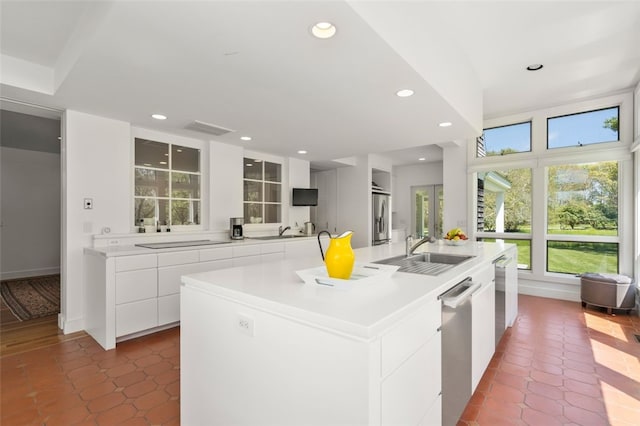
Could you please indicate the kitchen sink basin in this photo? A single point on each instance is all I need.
(426, 263)
(277, 237)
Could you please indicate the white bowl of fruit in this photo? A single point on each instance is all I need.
(455, 237)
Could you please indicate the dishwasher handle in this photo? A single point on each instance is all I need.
(453, 301)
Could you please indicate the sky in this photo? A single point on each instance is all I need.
(570, 130)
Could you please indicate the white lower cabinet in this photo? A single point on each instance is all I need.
(136, 316)
(168, 309)
(413, 387)
(434, 414)
(482, 324)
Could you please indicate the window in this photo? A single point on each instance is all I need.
(582, 201)
(167, 184)
(262, 191)
(505, 140)
(504, 207)
(585, 128)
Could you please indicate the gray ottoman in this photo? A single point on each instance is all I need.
(609, 291)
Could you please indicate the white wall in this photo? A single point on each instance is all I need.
(454, 181)
(30, 243)
(404, 177)
(325, 214)
(225, 181)
(299, 177)
(354, 202)
(96, 164)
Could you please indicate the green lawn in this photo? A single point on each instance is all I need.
(571, 257)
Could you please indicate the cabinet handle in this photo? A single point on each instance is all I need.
(439, 329)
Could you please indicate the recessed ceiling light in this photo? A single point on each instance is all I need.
(179, 150)
(159, 116)
(421, 159)
(163, 162)
(404, 93)
(59, 138)
(445, 124)
(146, 164)
(302, 151)
(534, 67)
(249, 164)
(245, 138)
(323, 30)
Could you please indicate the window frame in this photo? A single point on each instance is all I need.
(263, 183)
(579, 113)
(502, 126)
(172, 140)
(540, 157)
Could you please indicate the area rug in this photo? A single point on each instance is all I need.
(32, 297)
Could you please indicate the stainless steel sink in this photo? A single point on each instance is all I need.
(277, 237)
(426, 263)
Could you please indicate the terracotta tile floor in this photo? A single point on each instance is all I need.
(77, 382)
(559, 364)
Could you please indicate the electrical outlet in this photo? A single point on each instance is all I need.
(114, 242)
(245, 324)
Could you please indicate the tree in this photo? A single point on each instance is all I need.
(611, 123)
(571, 214)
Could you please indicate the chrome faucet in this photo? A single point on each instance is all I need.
(410, 247)
(281, 231)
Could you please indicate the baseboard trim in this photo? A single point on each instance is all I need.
(29, 273)
(71, 326)
(549, 290)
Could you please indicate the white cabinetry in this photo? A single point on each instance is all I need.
(482, 324)
(392, 379)
(133, 294)
(136, 292)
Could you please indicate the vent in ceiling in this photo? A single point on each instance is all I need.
(212, 129)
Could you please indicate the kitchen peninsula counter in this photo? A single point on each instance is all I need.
(259, 346)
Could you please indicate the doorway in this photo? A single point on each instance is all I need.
(30, 211)
(426, 208)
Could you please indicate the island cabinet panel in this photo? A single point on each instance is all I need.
(405, 339)
(136, 285)
(482, 324)
(411, 390)
(278, 371)
(131, 263)
(136, 316)
(434, 414)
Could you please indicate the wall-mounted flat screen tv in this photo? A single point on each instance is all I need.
(304, 197)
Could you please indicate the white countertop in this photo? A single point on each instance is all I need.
(131, 250)
(363, 311)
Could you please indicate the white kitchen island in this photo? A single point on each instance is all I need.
(260, 347)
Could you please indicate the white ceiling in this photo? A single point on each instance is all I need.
(254, 68)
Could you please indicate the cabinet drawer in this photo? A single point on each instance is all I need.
(216, 254)
(131, 263)
(272, 257)
(136, 316)
(169, 278)
(398, 344)
(247, 260)
(136, 285)
(168, 309)
(178, 258)
(272, 248)
(410, 391)
(248, 250)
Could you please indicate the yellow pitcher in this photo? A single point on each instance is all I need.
(340, 257)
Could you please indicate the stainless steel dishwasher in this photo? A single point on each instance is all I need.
(456, 349)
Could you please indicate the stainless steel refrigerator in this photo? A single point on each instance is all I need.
(381, 211)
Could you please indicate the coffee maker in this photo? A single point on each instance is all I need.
(235, 228)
